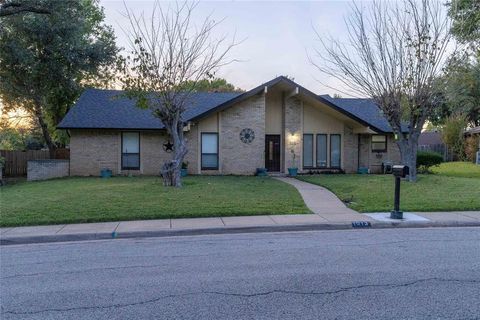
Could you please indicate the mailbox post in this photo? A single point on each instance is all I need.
(398, 172)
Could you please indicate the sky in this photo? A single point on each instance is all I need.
(276, 36)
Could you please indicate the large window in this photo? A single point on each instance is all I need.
(379, 143)
(130, 151)
(308, 150)
(335, 150)
(210, 151)
(321, 150)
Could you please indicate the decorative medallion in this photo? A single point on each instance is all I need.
(168, 146)
(247, 135)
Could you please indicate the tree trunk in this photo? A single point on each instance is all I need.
(46, 134)
(171, 173)
(408, 153)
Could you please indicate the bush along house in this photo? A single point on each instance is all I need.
(277, 125)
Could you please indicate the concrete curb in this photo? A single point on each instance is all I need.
(226, 230)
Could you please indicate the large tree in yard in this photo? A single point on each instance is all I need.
(393, 54)
(169, 56)
(47, 59)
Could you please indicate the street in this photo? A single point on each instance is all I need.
(353, 274)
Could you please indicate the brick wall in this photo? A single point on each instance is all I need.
(47, 169)
(373, 160)
(237, 157)
(293, 126)
(93, 150)
(350, 150)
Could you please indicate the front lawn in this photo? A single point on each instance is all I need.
(374, 193)
(78, 200)
(458, 169)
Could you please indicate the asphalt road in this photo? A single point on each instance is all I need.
(357, 274)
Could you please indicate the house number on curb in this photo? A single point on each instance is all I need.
(247, 135)
(361, 224)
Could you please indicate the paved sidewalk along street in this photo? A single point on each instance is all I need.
(328, 213)
(243, 224)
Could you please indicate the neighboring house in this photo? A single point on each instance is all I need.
(432, 141)
(232, 133)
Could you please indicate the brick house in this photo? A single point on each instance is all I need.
(232, 133)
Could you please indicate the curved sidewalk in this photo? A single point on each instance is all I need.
(319, 200)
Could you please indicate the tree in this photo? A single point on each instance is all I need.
(461, 89)
(169, 56)
(466, 21)
(47, 59)
(453, 135)
(11, 7)
(393, 54)
(211, 85)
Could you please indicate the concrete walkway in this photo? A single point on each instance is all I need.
(319, 200)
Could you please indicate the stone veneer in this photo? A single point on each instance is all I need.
(235, 156)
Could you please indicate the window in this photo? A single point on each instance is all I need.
(308, 150)
(130, 150)
(321, 150)
(210, 151)
(379, 143)
(335, 150)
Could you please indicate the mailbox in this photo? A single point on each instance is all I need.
(400, 171)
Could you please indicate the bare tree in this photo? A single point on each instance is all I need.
(393, 54)
(167, 52)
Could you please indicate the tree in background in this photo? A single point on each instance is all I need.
(211, 85)
(462, 88)
(47, 59)
(394, 53)
(11, 7)
(169, 57)
(466, 22)
(452, 135)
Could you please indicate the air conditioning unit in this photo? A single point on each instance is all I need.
(478, 158)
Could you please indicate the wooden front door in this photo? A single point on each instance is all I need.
(272, 152)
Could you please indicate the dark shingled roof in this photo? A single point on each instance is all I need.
(364, 109)
(110, 109)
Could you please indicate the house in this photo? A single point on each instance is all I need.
(432, 141)
(232, 133)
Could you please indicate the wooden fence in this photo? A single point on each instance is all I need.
(16, 160)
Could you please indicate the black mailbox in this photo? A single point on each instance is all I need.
(400, 171)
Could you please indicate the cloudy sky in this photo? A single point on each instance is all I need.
(277, 35)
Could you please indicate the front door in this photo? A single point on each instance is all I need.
(272, 152)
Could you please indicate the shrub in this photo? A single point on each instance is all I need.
(471, 147)
(428, 159)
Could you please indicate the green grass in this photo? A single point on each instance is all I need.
(458, 169)
(374, 193)
(78, 200)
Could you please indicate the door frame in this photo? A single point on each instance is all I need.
(279, 166)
